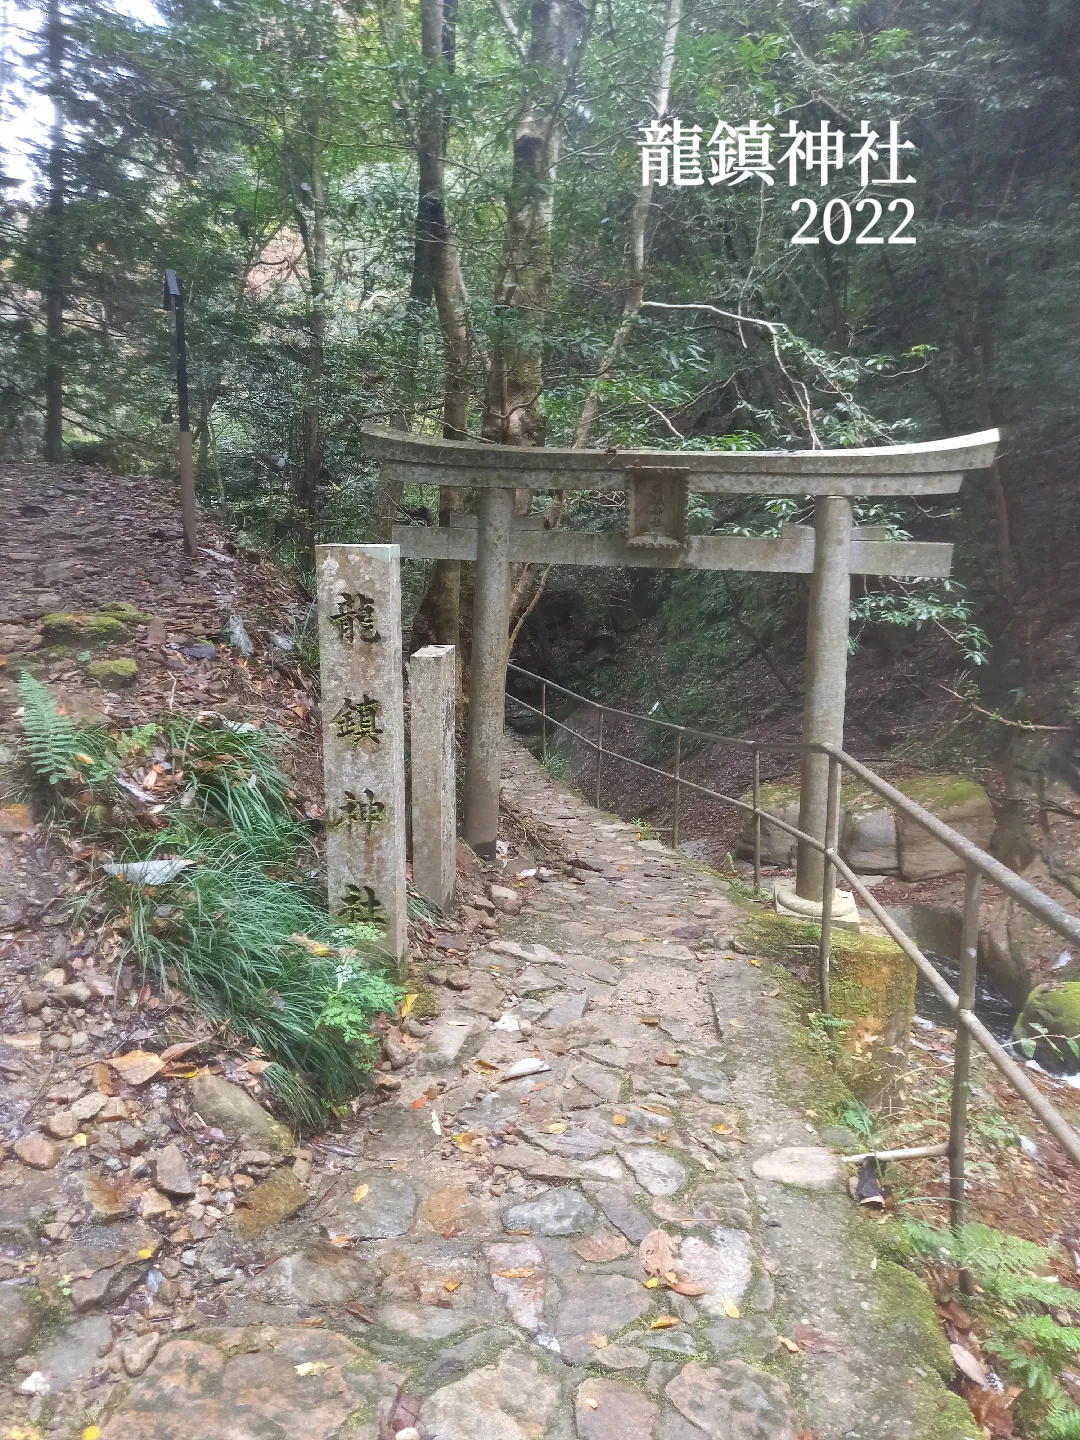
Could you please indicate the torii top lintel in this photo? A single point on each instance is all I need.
(934, 467)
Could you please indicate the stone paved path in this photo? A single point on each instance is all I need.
(641, 1237)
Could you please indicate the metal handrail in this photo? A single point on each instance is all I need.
(977, 866)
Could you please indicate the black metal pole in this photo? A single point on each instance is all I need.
(174, 300)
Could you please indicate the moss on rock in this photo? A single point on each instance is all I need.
(1054, 1009)
(872, 985)
(907, 1306)
(92, 628)
(125, 612)
(113, 674)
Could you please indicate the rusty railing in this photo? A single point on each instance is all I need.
(978, 866)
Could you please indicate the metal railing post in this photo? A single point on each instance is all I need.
(832, 841)
(961, 1084)
(599, 750)
(676, 797)
(757, 818)
(543, 720)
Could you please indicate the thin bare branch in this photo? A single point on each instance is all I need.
(512, 31)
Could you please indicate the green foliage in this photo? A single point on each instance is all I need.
(52, 741)
(555, 765)
(231, 772)
(914, 604)
(239, 930)
(255, 950)
(1016, 1289)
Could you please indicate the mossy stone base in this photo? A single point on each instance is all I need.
(113, 674)
(872, 985)
(92, 628)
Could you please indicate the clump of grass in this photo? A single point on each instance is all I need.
(231, 771)
(256, 950)
(555, 765)
(240, 928)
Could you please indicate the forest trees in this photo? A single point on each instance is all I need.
(431, 212)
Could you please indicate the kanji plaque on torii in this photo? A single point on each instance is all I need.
(657, 482)
(363, 737)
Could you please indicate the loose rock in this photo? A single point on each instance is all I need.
(37, 1152)
(172, 1174)
(242, 1118)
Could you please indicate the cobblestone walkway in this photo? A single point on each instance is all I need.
(597, 1206)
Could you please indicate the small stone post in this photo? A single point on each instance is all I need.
(364, 736)
(825, 686)
(432, 686)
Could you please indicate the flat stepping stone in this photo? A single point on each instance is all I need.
(446, 1041)
(321, 1274)
(596, 1307)
(375, 1206)
(669, 1342)
(565, 1011)
(623, 1213)
(810, 1167)
(423, 1322)
(723, 1266)
(513, 1399)
(660, 1174)
(570, 1144)
(600, 1080)
(519, 1275)
(732, 1401)
(594, 968)
(564, 1211)
(613, 1410)
(307, 1382)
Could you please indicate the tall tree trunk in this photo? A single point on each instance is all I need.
(513, 402)
(54, 242)
(315, 251)
(437, 258)
(632, 301)
(635, 282)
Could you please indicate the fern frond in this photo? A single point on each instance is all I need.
(51, 740)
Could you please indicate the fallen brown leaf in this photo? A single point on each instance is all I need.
(137, 1066)
(599, 1248)
(656, 1253)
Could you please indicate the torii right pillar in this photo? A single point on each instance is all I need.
(825, 683)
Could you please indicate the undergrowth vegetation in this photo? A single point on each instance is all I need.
(1023, 1314)
(209, 890)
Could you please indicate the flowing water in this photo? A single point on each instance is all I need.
(996, 1012)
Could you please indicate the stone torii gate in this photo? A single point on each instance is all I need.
(657, 484)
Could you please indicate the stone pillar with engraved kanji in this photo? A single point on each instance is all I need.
(363, 736)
